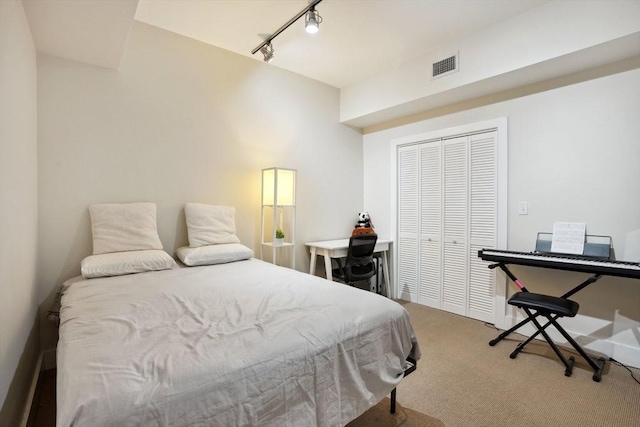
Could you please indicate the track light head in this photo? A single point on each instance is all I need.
(312, 21)
(267, 51)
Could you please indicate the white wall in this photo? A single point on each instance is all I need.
(555, 38)
(18, 209)
(182, 121)
(573, 155)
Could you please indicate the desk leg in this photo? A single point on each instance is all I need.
(327, 265)
(385, 267)
(312, 262)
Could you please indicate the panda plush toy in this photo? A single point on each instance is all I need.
(364, 225)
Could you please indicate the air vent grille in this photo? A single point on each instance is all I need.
(445, 66)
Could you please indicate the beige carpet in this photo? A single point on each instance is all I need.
(379, 415)
(463, 382)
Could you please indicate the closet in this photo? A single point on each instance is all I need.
(447, 210)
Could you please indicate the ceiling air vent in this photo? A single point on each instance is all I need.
(446, 66)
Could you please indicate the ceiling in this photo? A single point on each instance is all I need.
(95, 32)
(357, 38)
(359, 42)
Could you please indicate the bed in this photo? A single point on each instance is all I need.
(222, 339)
(243, 343)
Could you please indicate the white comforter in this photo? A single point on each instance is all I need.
(239, 344)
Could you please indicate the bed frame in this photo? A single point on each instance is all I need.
(410, 365)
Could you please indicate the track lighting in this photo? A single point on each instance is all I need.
(267, 51)
(312, 22)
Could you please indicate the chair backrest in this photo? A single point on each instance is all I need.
(359, 264)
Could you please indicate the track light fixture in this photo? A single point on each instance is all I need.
(267, 51)
(312, 22)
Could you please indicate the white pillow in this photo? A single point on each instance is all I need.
(210, 225)
(121, 227)
(119, 263)
(213, 254)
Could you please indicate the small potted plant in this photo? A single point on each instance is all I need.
(279, 237)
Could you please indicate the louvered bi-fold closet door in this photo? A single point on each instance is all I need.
(408, 222)
(430, 262)
(447, 212)
(482, 223)
(455, 189)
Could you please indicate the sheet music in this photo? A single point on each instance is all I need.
(568, 237)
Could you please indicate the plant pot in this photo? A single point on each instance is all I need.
(278, 242)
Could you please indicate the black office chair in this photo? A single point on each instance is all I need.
(359, 264)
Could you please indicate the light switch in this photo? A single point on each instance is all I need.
(523, 208)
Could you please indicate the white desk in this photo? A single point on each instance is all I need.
(338, 249)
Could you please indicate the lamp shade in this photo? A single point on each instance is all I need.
(278, 187)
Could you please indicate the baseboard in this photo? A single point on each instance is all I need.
(625, 354)
(13, 407)
(32, 392)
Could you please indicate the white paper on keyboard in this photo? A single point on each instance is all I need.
(568, 237)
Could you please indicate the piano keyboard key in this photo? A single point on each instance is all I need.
(562, 262)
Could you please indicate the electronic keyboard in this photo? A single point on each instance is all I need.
(564, 262)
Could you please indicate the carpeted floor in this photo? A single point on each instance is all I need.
(379, 416)
(463, 382)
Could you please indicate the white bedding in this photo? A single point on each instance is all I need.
(240, 344)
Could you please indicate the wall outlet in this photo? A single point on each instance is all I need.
(523, 208)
